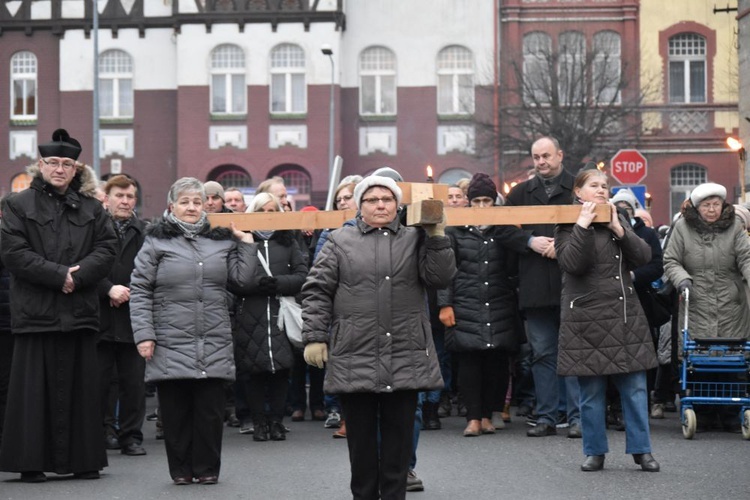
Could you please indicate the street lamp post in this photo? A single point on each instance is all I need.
(328, 51)
(737, 146)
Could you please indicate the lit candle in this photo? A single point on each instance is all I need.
(429, 174)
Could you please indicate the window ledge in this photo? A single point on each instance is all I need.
(377, 118)
(116, 121)
(23, 122)
(288, 116)
(227, 118)
(455, 117)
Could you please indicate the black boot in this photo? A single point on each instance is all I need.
(445, 407)
(277, 431)
(430, 419)
(261, 431)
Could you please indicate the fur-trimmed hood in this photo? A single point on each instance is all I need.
(694, 220)
(165, 230)
(84, 182)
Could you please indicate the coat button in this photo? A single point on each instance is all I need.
(489, 345)
(385, 233)
(387, 277)
(489, 324)
(387, 334)
(619, 298)
(487, 304)
(486, 262)
(617, 256)
(200, 263)
(617, 277)
(486, 283)
(388, 387)
(486, 242)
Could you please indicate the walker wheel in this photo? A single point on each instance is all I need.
(746, 424)
(690, 423)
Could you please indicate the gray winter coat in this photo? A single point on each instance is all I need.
(716, 257)
(179, 299)
(368, 286)
(603, 329)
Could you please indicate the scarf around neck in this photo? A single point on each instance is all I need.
(188, 229)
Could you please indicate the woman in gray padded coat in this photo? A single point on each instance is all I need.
(180, 316)
(368, 286)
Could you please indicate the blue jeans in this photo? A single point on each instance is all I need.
(421, 398)
(634, 397)
(570, 399)
(543, 325)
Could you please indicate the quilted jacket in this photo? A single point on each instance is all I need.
(482, 295)
(179, 299)
(603, 327)
(716, 258)
(259, 345)
(368, 286)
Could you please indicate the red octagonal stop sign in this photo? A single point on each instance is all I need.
(629, 166)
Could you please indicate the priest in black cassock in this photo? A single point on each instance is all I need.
(57, 242)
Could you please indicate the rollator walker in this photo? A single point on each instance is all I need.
(727, 357)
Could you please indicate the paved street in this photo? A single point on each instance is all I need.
(311, 465)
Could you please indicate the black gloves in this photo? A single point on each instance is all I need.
(268, 285)
(685, 285)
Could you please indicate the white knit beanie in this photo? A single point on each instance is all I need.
(628, 197)
(375, 180)
(707, 190)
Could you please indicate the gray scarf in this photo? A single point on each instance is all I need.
(189, 230)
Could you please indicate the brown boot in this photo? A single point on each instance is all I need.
(474, 428)
(341, 431)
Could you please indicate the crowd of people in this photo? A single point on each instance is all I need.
(401, 325)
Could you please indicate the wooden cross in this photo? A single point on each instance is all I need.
(425, 202)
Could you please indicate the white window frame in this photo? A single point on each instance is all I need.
(607, 57)
(23, 70)
(378, 64)
(457, 64)
(116, 68)
(687, 48)
(683, 179)
(571, 67)
(537, 51)
(228, 64)
(288, 61)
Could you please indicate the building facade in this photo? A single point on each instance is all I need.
(239, 91)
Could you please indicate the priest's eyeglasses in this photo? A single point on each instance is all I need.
(67, 164)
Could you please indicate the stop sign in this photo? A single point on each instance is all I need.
(628, 166)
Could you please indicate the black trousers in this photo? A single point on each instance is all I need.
(6, 358)
(192, 413)
(266, 387)
(483, 381)
(129, 366)
(379, 466)
(297, 393)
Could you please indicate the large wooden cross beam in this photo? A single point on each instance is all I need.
(413, 195)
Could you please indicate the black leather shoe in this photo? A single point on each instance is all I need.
(33, 477)
(92, 474)
(593, 463)
(647, 462)
(277, 432)
(540, 430)
(111, 442)
(574, 431)
(133, 450)
(260, 431)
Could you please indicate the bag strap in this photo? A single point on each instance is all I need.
(264, 264)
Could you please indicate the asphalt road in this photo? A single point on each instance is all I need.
(311, 465)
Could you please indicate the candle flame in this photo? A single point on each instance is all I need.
(734, 144)
(429, 171)
(506, 188)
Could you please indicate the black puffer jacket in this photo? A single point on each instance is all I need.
(603, 327)
(115, 321)
(44, 234)
(540, 278)
(482, 295)
(259, 345)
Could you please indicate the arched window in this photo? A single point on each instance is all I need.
(687, 68)
(606, 67)
(234, 176)
(377, 82)
(228, 93)
(455, 78)
(537, 57)
(115, 84)
(571, 71)
(453, 175)
(23, 74)
(683, 178)
(288, 90)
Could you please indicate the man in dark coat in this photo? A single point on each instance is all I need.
(57, 242)
(116, 349)
(540, 283)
